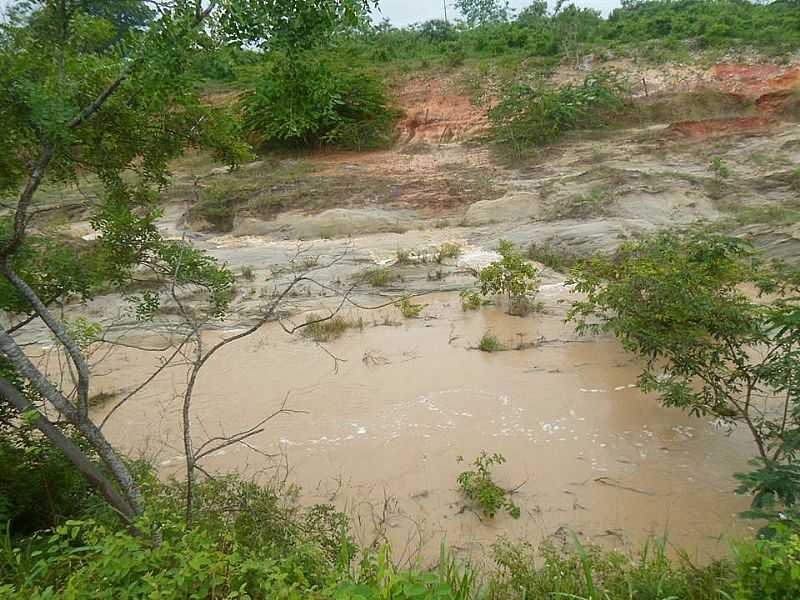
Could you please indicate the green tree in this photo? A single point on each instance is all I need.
(710, 348)
(76, 103)
(482, 12)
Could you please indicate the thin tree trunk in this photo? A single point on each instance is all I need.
(84, 425)
(76, 456)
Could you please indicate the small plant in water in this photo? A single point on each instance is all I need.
(321, 329)
(512, 276)
(489, 343)
(248, 274)
(447, 250)
(477, 485)
(409, 309)
(470, 300)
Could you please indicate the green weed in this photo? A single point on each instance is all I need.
(477, 485)
(489, 343)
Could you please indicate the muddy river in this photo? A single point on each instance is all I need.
(383, 425)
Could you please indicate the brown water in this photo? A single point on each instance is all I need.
(380, 438)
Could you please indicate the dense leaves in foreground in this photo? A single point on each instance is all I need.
(251, 542)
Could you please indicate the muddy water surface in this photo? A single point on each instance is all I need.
(382, 430)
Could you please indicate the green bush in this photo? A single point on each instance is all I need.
(489, 343)
(479, 487)
(535, 114)
(310, 100)
(512, 276)
(39, 487)
(591, 573)
(770, 568)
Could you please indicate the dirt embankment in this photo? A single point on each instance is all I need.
(772, 90)
(436, 112)
(439, 176)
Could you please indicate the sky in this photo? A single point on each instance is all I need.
(405, 12)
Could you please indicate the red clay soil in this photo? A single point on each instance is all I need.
(771, 86)
(436, 113)
(754, 81)
(776, 102)
(717, 127)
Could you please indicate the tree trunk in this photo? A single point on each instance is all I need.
(93, 476)
(75, 417)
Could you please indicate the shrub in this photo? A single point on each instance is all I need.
(536, 115)
(217, 206)
(246, 543)
(489, 343)
(377, 276)
(404, 256)
(39, 487)
(710, 350)
(470, 300)
(719, 169)
(477, 485)
(589, 572)
(512, 276)
(314, 100)
(409, 309)
(770, 568)
(558, 260)
(323, 329)
(448, 250)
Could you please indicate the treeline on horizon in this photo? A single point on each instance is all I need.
(772, 26)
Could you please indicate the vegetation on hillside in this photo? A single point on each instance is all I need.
(112, 91)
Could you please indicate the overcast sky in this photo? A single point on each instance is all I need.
(405, 12)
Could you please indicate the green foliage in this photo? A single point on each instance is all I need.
(477, 485)
(39, 488)
(535, 114)
(677, 301)
(380, 580)
(719, 169)
(590, 573)
(558, 260)
(292, 25)
(657, 30)
(409, 309)
(489, 343)
(311, 99)
(322, 328)
(769, 568)
(262, 549)
(377, 277)
(512, 276)
(470, 300)
(448, 250)
(482, 12)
